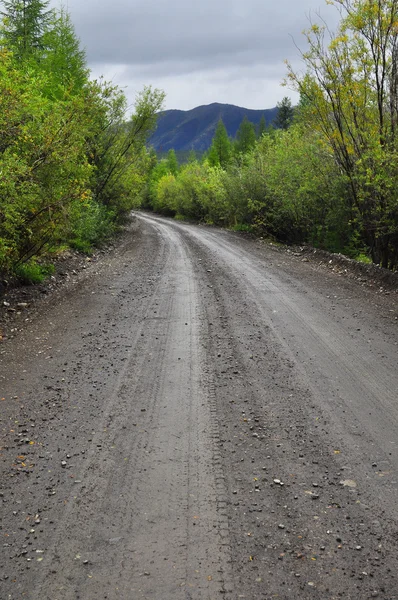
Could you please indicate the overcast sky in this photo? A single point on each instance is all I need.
(229, 51)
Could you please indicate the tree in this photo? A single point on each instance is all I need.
(119, 148)
(262, 127)
(24, 26)
(284, 117)
(351, 100)
(43, 161)
(245, 137)
(192, 158)
(220, 150)
(172, 162)
(64, 60)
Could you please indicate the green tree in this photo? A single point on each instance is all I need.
(351, 92)
(261, 128)
(285, 114)
(192, 156)
(119, 150)
(24, 25)
(220, 150)
(64, 61)
(43, 161)
(172, 162)
(245, 137)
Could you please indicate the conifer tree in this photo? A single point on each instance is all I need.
(220, 150)
(245, 136)
(24, 26)
(285, 115)
(262, 127)
(64, 61)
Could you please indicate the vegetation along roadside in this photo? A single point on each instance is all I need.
(325, 173)
(73, 163)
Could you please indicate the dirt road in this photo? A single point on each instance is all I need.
(202, 417)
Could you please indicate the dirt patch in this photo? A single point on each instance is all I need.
(370, 274)
(19, 303)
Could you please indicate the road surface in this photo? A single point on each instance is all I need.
(201, 417)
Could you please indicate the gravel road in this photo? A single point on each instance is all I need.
(201, 416)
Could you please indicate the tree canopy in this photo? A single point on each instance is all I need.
(351, 99)
(285, 114)
(245, 136)
(72, 162)
(24, 25)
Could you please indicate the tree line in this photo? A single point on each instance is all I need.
(73, 162)
(327, 175)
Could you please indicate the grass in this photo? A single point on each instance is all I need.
(363, 258)
(242, 227)
(31, 273)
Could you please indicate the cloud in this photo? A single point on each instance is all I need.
(214, 50)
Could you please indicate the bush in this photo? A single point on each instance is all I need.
(91, 225)
(32, 273)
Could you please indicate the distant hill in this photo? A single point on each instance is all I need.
(185, 130)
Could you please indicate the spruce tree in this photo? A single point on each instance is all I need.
(262, 127)
(284, 117)
(220, 150)
(245, 137)
(24, 25)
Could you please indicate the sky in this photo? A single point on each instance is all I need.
(228, 51)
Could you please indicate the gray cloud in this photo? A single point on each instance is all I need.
(212, 51)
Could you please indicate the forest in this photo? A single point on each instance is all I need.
(326, 173)
(74, 158)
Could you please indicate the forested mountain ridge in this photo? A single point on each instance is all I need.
(184, 130)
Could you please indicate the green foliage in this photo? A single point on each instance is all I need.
(262, 128)
(350, 98)
(363, 258)
(90, 224)
(43, 161)
(63, 62)
(172, 162)
(24, 26)
(192, 156)
(166, 191)
(31, 272)
(287, 187)
(245, 137)
(118, 151)
(284, 117)
(71, 164)
(220, 150)
(245, 227)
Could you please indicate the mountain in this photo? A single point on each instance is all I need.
(185, 130)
